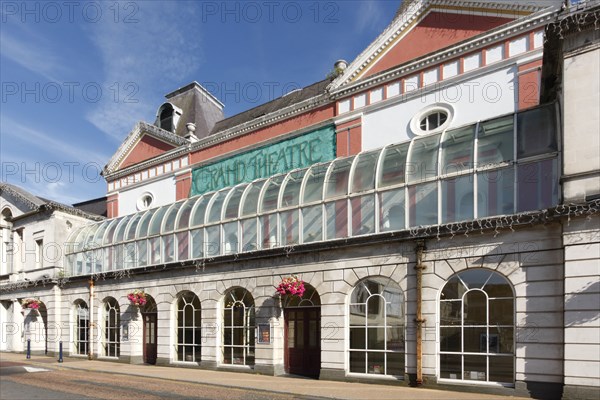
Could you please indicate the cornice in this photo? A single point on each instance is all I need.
(14, 193)
(265, 120)
(477, 43)
(168, 156)
(51, 205)
(47, 206)
(406, 20)
(140, 128)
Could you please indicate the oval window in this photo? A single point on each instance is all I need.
(432, 119)
(145, 201)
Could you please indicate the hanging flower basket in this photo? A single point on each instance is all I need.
(137, 297)
(291, 286)
(30, 304)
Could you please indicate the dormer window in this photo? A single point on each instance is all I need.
(166, 117)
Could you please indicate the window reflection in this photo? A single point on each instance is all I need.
(477, 327)
(376, 328)
(361, 195)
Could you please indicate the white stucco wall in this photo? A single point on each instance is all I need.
(478, 98)
(163, 191)
(581, 118)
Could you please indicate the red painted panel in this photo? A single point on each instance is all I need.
(529, 84)
(112, 206)
(349, 138)
(148, 147)
(436, 31)
(183, 185)
(261, 135)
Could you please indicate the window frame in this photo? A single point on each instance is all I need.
(190, 299)
(111, 307)
(488, 326)
(248, 329)
(382, 285)
(81, 328)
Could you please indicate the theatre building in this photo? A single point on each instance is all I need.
(438, 196)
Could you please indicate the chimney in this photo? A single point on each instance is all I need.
(199, 107)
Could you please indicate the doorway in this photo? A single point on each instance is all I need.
(303, 341)
(302, 336)
(150, 336)
(150, 331)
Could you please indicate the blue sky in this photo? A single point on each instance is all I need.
(76, 76)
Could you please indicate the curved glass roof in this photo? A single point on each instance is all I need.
(461, 174)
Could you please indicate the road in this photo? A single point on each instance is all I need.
(17, 383)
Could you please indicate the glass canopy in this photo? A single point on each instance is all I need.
(496, 167)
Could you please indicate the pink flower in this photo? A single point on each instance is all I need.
(291, 286)
(137, 297)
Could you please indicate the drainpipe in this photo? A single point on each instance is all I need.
(419, 267)
(91, 321)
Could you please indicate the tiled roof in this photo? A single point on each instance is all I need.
(291, 98)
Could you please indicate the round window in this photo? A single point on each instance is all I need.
(145, 201)
(432, 119)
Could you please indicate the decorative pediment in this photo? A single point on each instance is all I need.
(145, 141)
(424, 26)
(19, 201)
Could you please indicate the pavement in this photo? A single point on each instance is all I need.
(318, 389)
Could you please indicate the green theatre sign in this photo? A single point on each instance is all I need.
(284, 156)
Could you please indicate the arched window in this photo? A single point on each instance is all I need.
(6, 241)
(238, 328)
(377, 328)
(188, 328)
(477, 328)
(112, 339)
(81, 335)
(166, 117)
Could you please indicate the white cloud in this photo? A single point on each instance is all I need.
(155, 55)
(45, 142)
(369, 15)
(31, 53)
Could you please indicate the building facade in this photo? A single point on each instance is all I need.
(32, 237)
(438, 197)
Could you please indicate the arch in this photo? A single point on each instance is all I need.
(477, 328)
(6, 214)
(43, 310)
(238, 327)
(35, 325)
(376, 328)
(302, 333)
(311, 298)
(111, 340)
(189, 330)
(150, 306)
(6, 245)
(149, 313)
(168, 116)
(81, 327)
